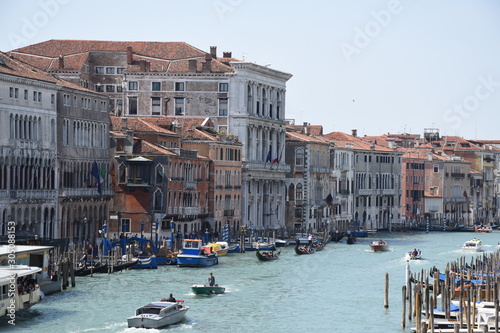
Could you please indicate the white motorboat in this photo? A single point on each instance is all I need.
(412, 256)
(158, 314)
(474, 245)
(380, 245)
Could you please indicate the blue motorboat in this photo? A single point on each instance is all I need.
(146, 262)
(194, 254)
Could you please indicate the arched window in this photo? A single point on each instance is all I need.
(291, 193)
(158, 199)
(299, 195)
(299, 156)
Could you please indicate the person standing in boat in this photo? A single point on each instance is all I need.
(211, 280)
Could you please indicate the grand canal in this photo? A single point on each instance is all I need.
(340, 289)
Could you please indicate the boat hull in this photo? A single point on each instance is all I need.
(272, 256)
(201, 289)
(153, 321)
(146, 263)
(188, 260)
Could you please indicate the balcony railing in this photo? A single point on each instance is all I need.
(189, 185)
(228, 212)
(28, 194)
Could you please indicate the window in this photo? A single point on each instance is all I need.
(179, 106)
(119, 107)
(120, 70)
(26, 94)
(155, 106)
(122, 170)
(99, 87)
(133, 85)
(99, 70)
(52, 99)
(223, 86)
(110, 88)
(222, 106)
(156, 86)
(110, 70)
(14, 92)
(299, 157)
(179, 86)
(132, 105)
(126, 225)
(435, 168)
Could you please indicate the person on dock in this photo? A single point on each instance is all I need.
(171, 298)
(211, 280)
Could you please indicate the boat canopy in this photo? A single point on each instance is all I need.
(7, 272)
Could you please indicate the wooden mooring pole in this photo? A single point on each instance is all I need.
(386, 291)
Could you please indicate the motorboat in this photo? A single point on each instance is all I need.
(411, 255)
(204, 289)
(194, 254)
(281, 242)
(18, 282)
(146, 262)
(484, 228)
(474, 245)
(218, 247)
(379, 245)
(158, 314)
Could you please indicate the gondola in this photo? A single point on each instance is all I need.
(304, 249)
(351, 239)
(87, 270)
(123, 266)
(268, 255)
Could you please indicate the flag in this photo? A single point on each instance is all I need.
(95, 172)
(329, 199)
(276, 159)
(465, 194)
(268, 158)
(102, 176)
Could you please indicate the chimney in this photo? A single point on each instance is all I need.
(129, 55)
(207, 65)
(213, 51)
(306, 128)
(124, 124)
(354, 132)
(61, 62)
(227, 55)
(192, 65)
(129, 143)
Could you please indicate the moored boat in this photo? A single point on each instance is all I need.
(218, 248)
(474, 245)
(19, 288)
(268, 255)
(146, 262)
(91, 269)
(203, 289)
(484, 228)
(195, 255)
(378, 246)
(158, 314)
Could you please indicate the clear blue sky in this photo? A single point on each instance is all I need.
(375, 66)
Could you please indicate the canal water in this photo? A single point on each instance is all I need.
(340, 289)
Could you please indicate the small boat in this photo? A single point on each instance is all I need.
(378, 246)
(234, 248)
(281, 242)
(411, 255)
(124, 265)
(91, 269)
(158, 314)
(146, 262)
(304, 249)
(193, 254)
(268, 255)
(351, 239)
(204, 289)
(484, 228)
(218, 248)
(474, 245)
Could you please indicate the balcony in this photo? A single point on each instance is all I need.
(29, 194)
(228, 212)
(262, 166)
(189, 185)
(457, 175)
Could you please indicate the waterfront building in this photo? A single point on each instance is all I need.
(413, 186)
(369, 181)
(311, 198)
(149, 79)
(52, 132)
